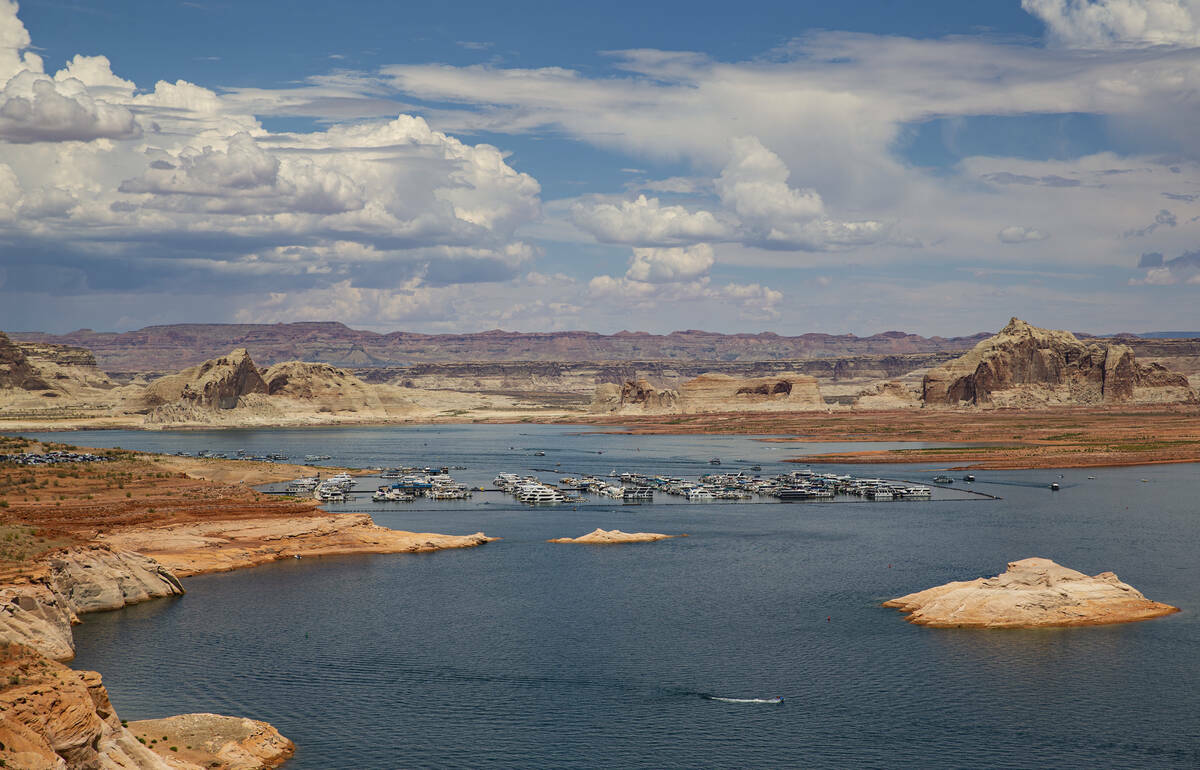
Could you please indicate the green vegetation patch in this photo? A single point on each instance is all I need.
(20, 542)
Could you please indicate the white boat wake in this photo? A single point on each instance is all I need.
(745, 700)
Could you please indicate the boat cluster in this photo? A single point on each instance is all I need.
(406, 487)
(529, 490)
(595, 486)
(241, 454)
(52, 458)
(798, 485)
(332, 489)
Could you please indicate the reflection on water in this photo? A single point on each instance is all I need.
(523, 653)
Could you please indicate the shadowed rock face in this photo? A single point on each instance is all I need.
(15, 369)
(1027, 366)
(636, 395)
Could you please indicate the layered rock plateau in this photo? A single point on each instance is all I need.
(612, 537)
(1025, 366)
(1031, 593)
(711, 394)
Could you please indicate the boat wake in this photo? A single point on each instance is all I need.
(743, 700)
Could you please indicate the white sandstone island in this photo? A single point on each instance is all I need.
(613, 536)
(1032, 593)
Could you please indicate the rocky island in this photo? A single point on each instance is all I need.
(600, 536)
(1031, 593)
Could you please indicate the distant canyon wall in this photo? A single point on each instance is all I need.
(583, 377)
(174, 347)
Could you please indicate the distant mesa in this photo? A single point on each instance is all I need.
(1025, 366)
(1032, 593)
(173, 347)
(612, 537)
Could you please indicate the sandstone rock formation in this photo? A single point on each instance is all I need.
(634, 395)
(888, 395)
(217, 546)
(1032, 593)
(1026, 366)
(40, 609)
(15, 370)
(219, 383)
(788, 391)
(33, 615)
(712, 393)
(54, 718)
(96, 579)
(214, 741)
(611, 537)
(326, 389)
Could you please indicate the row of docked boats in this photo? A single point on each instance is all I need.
(798, 485)
(528, 489)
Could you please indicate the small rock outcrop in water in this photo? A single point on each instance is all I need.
(612, 536)
(1030, 594)
(1024, 366)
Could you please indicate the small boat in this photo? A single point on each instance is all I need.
(715, 461)
(968, 477)
(539, 453)
(756, 467)
(943, 479)
(1054, 487)
(1091, 477)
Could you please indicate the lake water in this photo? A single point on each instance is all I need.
(528, 654)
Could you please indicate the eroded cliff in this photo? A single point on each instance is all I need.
(1026, 366)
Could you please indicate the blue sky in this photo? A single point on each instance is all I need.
(763, 166)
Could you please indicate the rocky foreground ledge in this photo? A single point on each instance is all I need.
(613, 536)
(1032, 593)
(200, 547)
(54, 717)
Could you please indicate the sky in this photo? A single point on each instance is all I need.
(782, 166)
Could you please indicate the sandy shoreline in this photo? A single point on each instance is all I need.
(1069, 437)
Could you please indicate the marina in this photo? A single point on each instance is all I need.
(603, 641)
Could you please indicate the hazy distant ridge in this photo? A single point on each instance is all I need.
(160, 348)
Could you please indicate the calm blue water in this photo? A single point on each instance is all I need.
(529, 654)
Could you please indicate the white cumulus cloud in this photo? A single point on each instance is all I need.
(666, 265)
(1103, 23)
(1018, 234)
(645, 221)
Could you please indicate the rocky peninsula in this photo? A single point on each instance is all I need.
(120, 530)
(612, 537)
(1031, 593)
